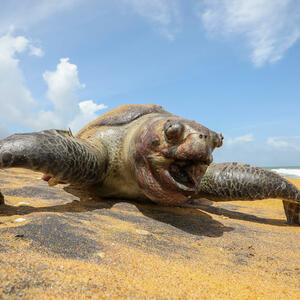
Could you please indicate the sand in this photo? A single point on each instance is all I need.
(56, 247)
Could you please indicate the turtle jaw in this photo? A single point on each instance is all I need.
(176, 175)
(165, 186)
(181, 175)
(187, 174)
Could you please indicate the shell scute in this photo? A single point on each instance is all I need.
(123, 115)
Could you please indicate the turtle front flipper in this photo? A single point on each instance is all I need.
(57, 153)
(236, 181)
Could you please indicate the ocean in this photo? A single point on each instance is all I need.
(291, 172)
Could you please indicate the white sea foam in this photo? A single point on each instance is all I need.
(294, 173)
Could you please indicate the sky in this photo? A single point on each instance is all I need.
(231, 65)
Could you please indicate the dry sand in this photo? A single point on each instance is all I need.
(55, 247)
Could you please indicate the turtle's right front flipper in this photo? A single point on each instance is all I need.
(57, 153)
(236, 181)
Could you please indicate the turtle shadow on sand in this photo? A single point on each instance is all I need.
(221, 211)
(184, 217)
(193, 218)
(191, 221)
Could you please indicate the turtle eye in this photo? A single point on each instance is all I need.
(173, 131)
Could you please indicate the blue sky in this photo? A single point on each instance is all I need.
(232, 65)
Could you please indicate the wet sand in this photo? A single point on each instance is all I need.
(65, 243)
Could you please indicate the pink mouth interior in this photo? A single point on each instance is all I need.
(188, 173)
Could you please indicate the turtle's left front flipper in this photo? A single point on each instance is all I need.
(56, 153)
(236, 181)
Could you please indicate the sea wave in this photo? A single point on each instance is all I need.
(293, 173)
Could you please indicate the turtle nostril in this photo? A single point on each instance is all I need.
(201, 136)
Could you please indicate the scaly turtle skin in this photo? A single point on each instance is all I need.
(143, 151)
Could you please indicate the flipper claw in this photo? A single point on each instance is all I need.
(1, 198)
(292, 212)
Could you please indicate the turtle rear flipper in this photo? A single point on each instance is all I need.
(57, 153)
(292, 212)
(236, 181)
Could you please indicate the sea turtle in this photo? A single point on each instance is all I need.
(143, 151)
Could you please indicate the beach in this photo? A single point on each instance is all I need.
(59, 243)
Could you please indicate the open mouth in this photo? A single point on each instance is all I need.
(187, 173)
(184, 175)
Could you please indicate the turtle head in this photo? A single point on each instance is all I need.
(172, 155)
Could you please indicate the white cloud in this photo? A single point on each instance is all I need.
(16, 99)
(291, 143)
(277, 143)
(88, 107)
(240, 139)
(18, 106)
(88, 111)
(23, 14)
(63, 84)
(36, 51)
(164, 14)
(269, 27)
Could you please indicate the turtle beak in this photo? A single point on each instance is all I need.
(217, 140)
